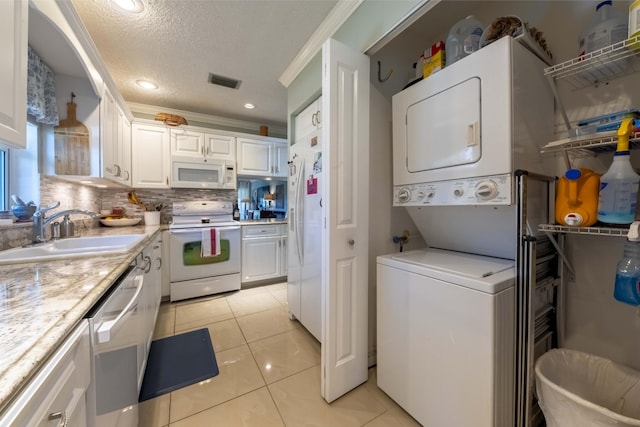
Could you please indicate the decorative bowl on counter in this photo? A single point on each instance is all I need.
(23, 212)
(120, 222)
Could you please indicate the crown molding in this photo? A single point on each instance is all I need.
(274, 129)
(334, 20)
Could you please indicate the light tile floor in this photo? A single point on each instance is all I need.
(269, 371)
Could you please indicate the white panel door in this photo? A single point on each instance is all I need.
(345, 103)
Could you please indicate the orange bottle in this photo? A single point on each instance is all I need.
(577, 198)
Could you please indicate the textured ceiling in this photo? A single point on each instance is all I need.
(177, 43)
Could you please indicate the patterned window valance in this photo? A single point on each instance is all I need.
(41, 91)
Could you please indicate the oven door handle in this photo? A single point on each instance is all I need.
(198, 230)
(105, 329)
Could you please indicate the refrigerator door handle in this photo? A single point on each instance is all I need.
(292, 220)
(300, 207)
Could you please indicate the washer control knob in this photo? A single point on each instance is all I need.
(486, 190)
(404, 195)
(458, 192)
(421, 194)
(431, 194)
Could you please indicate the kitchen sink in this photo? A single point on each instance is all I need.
(72, 248)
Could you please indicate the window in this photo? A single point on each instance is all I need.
(19, 170)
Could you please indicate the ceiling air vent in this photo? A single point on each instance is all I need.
(216, 79)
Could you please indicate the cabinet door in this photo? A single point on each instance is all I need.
(187, 143)
(59, 389)
(151, 162)
(308, 120)
(13, 72)
(260, 259)
(124, 148)
(253, 157)
(220, 146)
(280, 157)
(108, 135)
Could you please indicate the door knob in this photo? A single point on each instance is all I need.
(352, 242)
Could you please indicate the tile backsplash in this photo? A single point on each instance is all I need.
(78, 196)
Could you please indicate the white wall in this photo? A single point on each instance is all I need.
(385, 221)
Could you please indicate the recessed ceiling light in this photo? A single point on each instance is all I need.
(145, 84)
(249, 106)
(135, 6)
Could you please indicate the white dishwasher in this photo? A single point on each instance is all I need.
(118, 352)
(445, 333)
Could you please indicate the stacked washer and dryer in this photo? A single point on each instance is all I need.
(447, 315)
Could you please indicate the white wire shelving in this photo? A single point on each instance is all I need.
(591, 70)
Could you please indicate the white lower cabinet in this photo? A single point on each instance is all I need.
(264, 252)
(56, 396)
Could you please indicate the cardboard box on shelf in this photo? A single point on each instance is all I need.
(433, 59)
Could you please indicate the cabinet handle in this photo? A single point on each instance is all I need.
(147, 265)
(167, 180)
(352, 242)
(317, 117)
(208, 151)
(202, 150)
(313, 119)
(159, 263)
(117, 170)
(59, 415)
(127, 177)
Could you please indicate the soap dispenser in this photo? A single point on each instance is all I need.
(66, 228)
(627, 284)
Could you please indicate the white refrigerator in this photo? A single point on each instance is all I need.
(305, 231)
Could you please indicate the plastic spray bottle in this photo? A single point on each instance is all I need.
(627, 285)
(619, 185)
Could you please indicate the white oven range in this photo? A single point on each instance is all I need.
(192, 274)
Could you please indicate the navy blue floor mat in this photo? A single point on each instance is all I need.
(178, 361)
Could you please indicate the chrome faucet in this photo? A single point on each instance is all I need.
(39, 220)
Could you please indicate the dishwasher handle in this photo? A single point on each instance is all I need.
(106, 328)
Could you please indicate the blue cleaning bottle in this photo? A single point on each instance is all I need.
(627, 284)
(619, 185)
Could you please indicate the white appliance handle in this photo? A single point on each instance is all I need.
(104, 331)
(198, 230)
(300, 208)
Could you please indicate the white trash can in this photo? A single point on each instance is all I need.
(577, 389)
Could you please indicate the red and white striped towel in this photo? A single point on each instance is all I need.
(210, 243)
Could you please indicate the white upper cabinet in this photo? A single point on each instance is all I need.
(262, 157)
(115, 136)
(150, 155)
(194, 143)
(13, 72)
(309, 120)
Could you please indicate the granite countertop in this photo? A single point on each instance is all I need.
(42, 302)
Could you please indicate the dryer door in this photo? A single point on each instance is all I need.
(443, 130)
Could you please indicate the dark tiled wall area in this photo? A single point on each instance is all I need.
(78, 196)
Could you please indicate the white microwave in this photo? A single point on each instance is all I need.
(192, 172)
